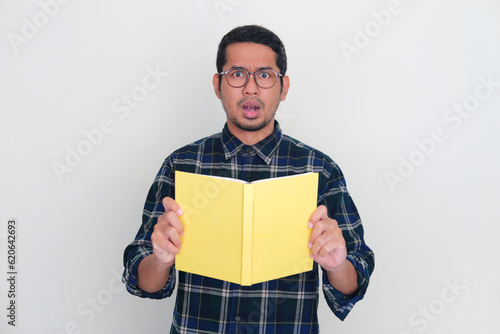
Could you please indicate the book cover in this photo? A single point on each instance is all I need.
(242, 232)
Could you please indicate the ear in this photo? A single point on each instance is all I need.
(215, 82)
(286, 86)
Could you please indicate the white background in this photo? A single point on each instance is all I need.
(367, 110)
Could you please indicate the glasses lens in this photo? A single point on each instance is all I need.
(265, 78)
(237, 78)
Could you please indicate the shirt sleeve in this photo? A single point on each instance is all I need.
(141, 247)
(334, 195)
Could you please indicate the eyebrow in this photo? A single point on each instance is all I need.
(243, 68)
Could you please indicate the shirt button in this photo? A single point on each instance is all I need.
(237, 318)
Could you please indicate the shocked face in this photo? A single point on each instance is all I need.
(250, 109)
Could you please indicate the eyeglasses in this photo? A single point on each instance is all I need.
(238, 77)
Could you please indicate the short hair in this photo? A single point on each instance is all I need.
(252, 34)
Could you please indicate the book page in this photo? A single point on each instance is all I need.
(282, 208)
(212, 220)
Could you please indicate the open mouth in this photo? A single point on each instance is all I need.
(251, 109)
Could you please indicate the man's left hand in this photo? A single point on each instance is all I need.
(326, 242)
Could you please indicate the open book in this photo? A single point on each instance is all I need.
(245, 233)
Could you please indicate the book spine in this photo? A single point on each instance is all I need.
(246, 255)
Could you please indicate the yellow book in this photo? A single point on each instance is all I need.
(245, 233)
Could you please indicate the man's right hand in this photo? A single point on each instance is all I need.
(166, 237)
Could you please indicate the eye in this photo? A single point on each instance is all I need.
(265, 75)
(238, 74)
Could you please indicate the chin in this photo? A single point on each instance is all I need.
(252, 125)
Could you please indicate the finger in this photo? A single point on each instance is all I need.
(319, 242)
(171, 205)
(166, 239)
(335, 248)
(329, 243)
(170, 218)
(321, 227)
(163, 254)
(173, 220)
(319, 214)
(174, 237)
(332, 245)
(172, 249)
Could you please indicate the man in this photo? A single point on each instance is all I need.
(251, 82)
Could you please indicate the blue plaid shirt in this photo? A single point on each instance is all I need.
(286, 305)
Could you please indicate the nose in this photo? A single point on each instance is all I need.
(251, 87)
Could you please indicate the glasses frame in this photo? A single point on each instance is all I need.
(248, 76)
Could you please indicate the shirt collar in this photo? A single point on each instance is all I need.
(265, 148)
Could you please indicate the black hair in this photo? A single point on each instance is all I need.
(252, 34)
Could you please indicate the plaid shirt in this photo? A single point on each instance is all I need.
(286, 305)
